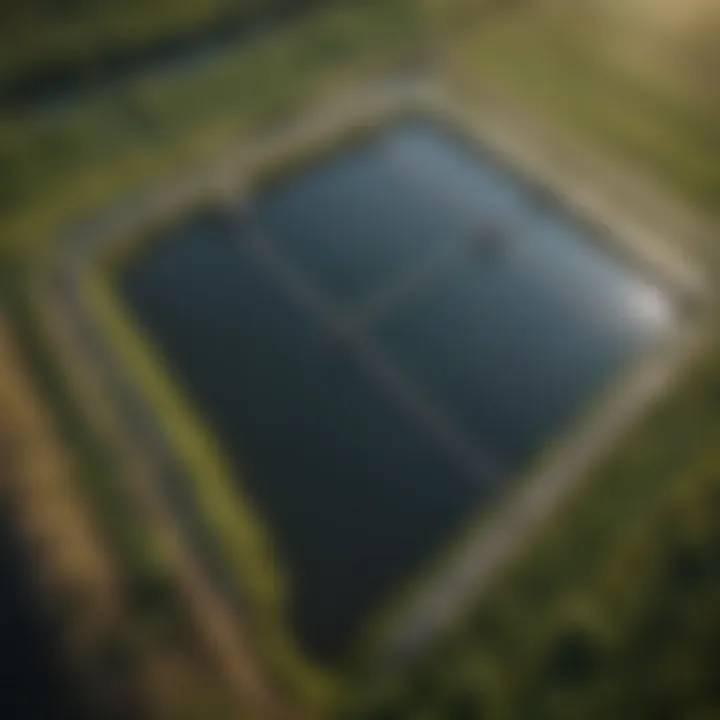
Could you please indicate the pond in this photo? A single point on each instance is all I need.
(382, 341)
(34, 684)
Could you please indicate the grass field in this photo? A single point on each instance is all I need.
(51, 47)
(561, 65)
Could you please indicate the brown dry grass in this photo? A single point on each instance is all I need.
(668, 41)
(75, 577)
(74, 574)
(51, 516)
(221, 670)
(671, 15)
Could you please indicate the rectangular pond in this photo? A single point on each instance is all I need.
(381, 341)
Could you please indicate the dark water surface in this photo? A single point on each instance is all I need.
(33, 684)
(494, 322)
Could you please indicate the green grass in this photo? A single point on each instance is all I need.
(677, 138)
(78, 38)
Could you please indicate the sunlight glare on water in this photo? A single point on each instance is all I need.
(649, 304)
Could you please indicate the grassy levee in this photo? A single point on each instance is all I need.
(227, 514)
(143, 572)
